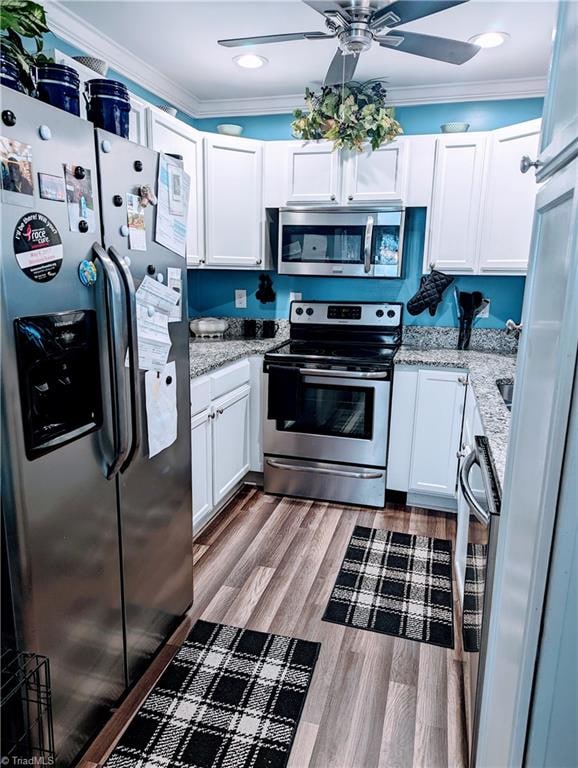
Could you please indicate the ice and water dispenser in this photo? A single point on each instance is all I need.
(59, 375)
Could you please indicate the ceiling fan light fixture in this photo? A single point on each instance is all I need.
(250, 61)
(490, 39)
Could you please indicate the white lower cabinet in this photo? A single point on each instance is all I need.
(425, 431)
(230, 441)
(202, 467)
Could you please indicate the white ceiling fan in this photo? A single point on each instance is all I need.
(358, 23)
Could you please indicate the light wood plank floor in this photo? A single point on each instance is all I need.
(269, 564)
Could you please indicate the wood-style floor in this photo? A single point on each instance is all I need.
(269, 564)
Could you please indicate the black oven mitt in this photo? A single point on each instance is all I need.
(430, 293)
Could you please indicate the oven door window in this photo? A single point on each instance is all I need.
(323, 244)
(326, 409)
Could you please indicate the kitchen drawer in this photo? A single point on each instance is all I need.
(200, 394)
(228, 378)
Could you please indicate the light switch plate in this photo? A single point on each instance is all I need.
(240, 299)
(295, 296)
(485, 311)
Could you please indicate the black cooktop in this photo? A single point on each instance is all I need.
(333, 353)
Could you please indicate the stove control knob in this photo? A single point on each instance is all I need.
(309, 311)
(299, 310)
(391, 312)
(379, 313)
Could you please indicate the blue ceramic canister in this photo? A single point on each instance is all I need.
(108, 105)
(58, 85)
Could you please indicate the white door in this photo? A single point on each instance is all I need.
(201, 468)
(456, 199)
(378, 176)
(436, 432)
(169, 135)
(509, 199)
(313, 172)
(137, 121)
(234, 201)
(230, 441)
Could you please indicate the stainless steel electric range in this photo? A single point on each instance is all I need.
(327, 402)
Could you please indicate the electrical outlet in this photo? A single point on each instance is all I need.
(485, 311)
(295, 296)
(240, 299)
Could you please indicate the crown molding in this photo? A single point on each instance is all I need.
(491, 90)
(74, 30)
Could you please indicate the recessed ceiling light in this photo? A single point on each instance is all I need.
(490, 39)
(250, 61)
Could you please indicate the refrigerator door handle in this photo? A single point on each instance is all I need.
(112, 310)
(132, 335)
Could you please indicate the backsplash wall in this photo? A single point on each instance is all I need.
(213, 292)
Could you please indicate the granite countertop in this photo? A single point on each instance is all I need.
(206, 356)
(485, 368)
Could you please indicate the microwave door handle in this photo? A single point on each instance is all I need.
(479, 512)
(112, 311)
(133, 370)
(367, 245)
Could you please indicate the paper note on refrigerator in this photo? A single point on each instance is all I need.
(161, 407)
(154, 342)
(175, 283)
(172, 209)
(157, 295)
(137, 236)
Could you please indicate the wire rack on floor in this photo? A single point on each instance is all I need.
(26, 709)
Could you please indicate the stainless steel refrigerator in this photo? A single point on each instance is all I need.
(99, 535)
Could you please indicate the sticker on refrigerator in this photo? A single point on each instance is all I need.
(137, 236)
(51, 187)
(38, 247)
(17, 178)
(79, 198)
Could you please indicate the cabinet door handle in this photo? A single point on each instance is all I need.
(258, 261)
(332, 197)
(526, 163)
(463, 380)
(350, 197)
(220, 411)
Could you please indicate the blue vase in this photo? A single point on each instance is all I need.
(108, 106)
(58, 85)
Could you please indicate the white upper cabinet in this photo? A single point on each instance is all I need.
(378, 176)
(456, 199)
(313, 172)
(509, 199)
(234, 212)
(137, 121)
(169, 135)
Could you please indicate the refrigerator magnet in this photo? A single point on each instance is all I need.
(87, 272)
(79, 198)
(38, 247)
(51, 187)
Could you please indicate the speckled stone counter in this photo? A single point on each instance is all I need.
(206, 356)
(485, 368)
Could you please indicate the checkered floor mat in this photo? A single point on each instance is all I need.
(231, 698)
(474, 587)
(397, 584)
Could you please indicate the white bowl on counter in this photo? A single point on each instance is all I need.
(208, 326)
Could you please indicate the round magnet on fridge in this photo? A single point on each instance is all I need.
(87, 272)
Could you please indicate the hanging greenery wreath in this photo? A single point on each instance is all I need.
(350, 115)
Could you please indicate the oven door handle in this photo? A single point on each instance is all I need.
(323, 471)
(378, 375)
(367, 245)
(479, 512)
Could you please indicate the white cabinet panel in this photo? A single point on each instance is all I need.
(201, 468)
(420, 164)
(401, 428)
(313, 173)
(457, 192)
(256, 414)
(169, 135)
(234, 202)
(137, 121)
(509, 199)
(376, 176)
(230, 441)
(436, 432)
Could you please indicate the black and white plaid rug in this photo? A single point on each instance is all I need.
(397, 584)
(474, 587)
(231, 698)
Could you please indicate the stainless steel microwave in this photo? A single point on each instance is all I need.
(341, 242)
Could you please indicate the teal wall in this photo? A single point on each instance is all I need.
(212, 292)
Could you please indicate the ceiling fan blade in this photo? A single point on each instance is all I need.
(262, 39)
(341, 69)
(430, 47)
(404, 11)
(322, 6)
